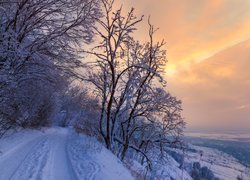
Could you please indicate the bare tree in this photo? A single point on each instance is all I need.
(128, 78)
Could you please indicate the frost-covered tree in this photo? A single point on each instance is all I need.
(50, 30)
(77, 106)
(33, 101)
(80, 109)
(39, 38)
(136, 113)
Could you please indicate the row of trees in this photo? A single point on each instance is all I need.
(42, 48)
(40, 43)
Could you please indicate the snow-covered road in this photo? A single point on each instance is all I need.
(57, 154)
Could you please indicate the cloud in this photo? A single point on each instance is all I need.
(208, 54)
(216, 90)
(244, 106)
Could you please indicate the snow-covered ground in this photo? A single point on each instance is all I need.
(61, 154)
(224, 166)
(168, 169)
(57, 153)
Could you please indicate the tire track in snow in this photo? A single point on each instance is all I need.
(11, 162)
(61, 155)
(59, 166)
(17, 146)
(34, 162)
(45, 157)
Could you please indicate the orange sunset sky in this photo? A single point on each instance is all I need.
(208, 51)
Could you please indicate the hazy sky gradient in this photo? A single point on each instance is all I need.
(208, 45)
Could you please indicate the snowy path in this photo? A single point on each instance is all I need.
(60, 154)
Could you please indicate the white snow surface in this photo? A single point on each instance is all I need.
(57, 154)
(167, 170)
(223, 165)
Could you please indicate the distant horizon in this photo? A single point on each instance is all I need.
(212, 130)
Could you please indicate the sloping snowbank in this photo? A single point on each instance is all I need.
(88, 155)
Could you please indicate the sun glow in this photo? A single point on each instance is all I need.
(171, 69)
